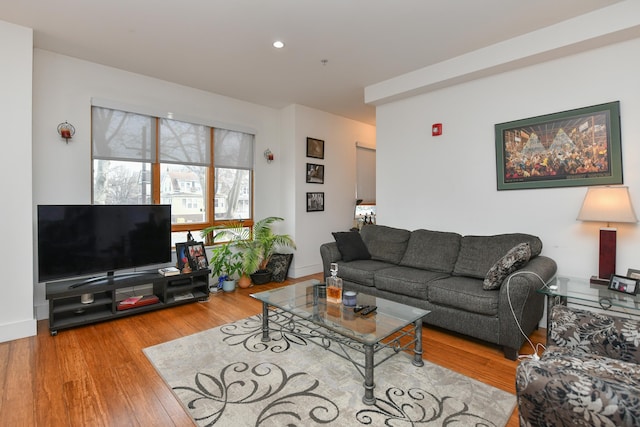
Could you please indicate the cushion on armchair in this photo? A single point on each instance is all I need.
(589, 375)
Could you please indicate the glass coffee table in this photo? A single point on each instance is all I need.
(365, 341)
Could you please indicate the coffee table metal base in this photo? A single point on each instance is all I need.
(393, 342)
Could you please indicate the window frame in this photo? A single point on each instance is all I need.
(209, 195)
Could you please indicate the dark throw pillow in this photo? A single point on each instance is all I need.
(351, 246)
(279, 266)
(517, 257)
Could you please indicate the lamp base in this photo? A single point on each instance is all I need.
(599, 281)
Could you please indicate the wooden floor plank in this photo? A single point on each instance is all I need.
(98, 375)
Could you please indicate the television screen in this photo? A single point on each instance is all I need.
(79, 240)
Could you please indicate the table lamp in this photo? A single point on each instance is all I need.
(607, 204)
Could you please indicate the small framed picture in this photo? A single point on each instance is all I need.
(182, 255)
(624, 284)
(634, 274)
(315, 148)
(315, 202)
(315, 173)
(197, 256)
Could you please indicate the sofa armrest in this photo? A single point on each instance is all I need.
(329, 253)
(520, 302)
(588, 332)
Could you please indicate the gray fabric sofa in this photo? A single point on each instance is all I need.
(444, 272)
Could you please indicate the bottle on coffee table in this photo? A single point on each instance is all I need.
(334, 286)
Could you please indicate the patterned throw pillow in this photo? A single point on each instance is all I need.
(517, 257)
(279, 266)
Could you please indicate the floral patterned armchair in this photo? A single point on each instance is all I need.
(588, 376)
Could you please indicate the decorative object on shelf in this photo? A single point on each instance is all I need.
(624, 284)
(315, 202)
(197, 256)
(66, 130)
(315, 173)
(567, 149)
(86, 298)
(315, 148)
(268, 155)
(607, 204)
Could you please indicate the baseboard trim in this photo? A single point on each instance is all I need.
(17, 330)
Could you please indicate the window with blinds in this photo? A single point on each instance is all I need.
(204, 173)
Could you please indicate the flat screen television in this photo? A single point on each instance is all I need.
(81, 240)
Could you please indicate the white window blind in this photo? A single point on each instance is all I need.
(184, 143)
(118, 135)
(233, 149)
(365, 174)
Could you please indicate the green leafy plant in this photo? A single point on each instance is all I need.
(225, 263)
(256, 244)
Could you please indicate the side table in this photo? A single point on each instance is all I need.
(584, 295)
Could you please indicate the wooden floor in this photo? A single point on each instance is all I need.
(98, 376)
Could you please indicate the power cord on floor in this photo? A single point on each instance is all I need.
(535, 348)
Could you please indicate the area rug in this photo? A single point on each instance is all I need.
(227, 376)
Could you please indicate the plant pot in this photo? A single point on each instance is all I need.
(244, 281)
(229, 285)
(261, 277)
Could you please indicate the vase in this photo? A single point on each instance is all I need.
(261, 277)
(244, 281)
(229, 285)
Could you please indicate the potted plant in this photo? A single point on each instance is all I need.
(226, 265)
(257, 251)
(256, 245)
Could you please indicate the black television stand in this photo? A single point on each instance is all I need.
(112, 276)
(66, 309)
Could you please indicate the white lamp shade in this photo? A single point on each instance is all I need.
(607, 204)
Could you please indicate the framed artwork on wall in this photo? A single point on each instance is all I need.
(571, 148)
(315, 148)
(315, 173)
(315, 202)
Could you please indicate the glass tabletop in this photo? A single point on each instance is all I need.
(308, 301)
(582, 289)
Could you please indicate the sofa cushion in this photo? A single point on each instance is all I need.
(407, 281)
(464, 293)
(351, 246)
(479, 253)
(513, 260)
(385, 243)
(360, 271)
(432, 250)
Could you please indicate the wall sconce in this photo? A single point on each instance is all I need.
(66, 130)
(607, 204)
(268, 155)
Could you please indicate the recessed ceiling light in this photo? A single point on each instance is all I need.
(278, 44)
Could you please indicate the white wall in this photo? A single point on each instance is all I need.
(449, 182)
(339, 136)
(16, 287)
(64, 87)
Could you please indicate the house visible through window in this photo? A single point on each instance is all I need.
(139, 159)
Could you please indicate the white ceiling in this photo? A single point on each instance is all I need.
(224, 46)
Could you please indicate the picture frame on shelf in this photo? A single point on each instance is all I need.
(197, 256)
(182, 256)
(627, 285)
(634, 274)
(315, 148)
(579, 147)
(315, 173)
(315, 201)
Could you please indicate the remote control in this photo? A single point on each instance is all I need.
(369, 309)
(359, 308)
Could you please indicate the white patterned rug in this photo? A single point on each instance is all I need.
(226, 376)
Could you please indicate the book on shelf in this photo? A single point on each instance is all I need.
(137, 301)
(183, 296)
(169, 271)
